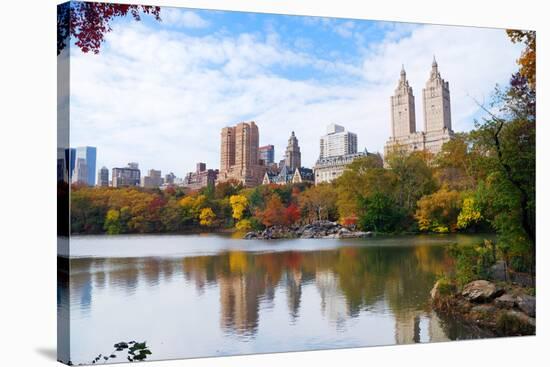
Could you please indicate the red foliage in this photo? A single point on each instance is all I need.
(89, 22)
(292, 214)
(349, 221)
(274, 213)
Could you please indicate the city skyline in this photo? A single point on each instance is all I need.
(336, 71)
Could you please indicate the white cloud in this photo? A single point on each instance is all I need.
(161, 98)
(183, 18)
(344, 29)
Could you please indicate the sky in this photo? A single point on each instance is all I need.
(159, 93)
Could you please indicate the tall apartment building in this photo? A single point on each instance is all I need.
(437, 115)
(267, 154)
(126, 176)
(153, 179)
(240, 159)
(103, 177)
(202, 177)
(337, 142)
(338, 148)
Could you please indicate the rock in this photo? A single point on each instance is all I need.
(513, 322)
(484, 309)
(250, 235)
(435, 292)
(527, 304)
(481, 291)
(505, 301)
(498, 271)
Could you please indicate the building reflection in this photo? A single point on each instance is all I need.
(349, 281)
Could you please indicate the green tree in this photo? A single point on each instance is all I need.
(380, 213)
(413, 177)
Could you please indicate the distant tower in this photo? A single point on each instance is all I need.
(240, 158)
(293, 157)
(437, 102)
(103, 177)
(402, 108)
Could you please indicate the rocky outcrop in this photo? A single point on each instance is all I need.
(481, 291)
(527, 304)
(318, 229)
(503, 312)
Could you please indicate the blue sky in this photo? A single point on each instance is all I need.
(158, 93)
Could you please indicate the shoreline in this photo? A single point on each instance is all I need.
(502, 310)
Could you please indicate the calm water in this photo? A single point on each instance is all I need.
(211, 295)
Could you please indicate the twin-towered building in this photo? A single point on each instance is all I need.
(437, 115)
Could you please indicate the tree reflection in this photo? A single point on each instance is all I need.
(394, 280)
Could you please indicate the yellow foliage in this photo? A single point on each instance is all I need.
(243, 225)
(438, 212)
(207, 217)
(239, 203)
(113, 215)
(469, 214)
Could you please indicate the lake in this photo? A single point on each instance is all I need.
(212, 295)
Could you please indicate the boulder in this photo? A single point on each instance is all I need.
(435, 292)
(498, 271)
(505, 301)
(481, 291)
(250, 235)
(527, 304)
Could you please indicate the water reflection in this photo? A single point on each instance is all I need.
(337, 290)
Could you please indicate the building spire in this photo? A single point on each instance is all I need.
(435, 72)
(403, 74)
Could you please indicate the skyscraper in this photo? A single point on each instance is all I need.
(437, 111)
(103, 177)
(437, 115)
(293, 157)
(88, 154)
(337, 142)
(80, 174)
(240, 159)
(402, 108)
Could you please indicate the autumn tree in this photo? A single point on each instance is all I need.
(207, 217)
(439, 211)
(362, 177)
(457, 164)
(239, 203)
(319, 202)
(413, 177)
(292, 214)
(88, 22)
(274, 212)
(528, 59)
(112, 222)
(470, 214)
